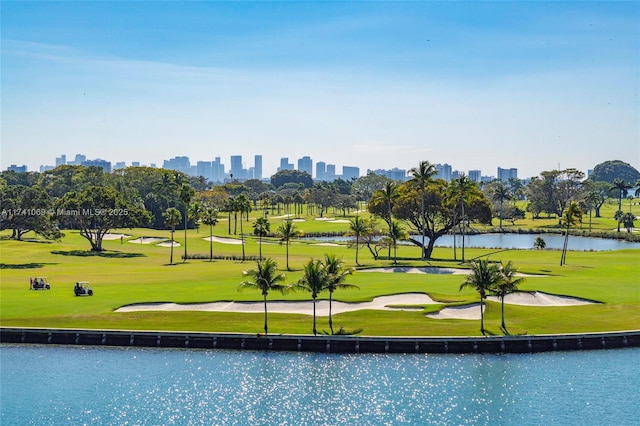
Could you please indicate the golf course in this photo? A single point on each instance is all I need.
(139, 285)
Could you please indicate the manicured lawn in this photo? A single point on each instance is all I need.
(137, 273)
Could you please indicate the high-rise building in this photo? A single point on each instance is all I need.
(284, 164)
(203, 168)
(217, 170)
(444, 172)
(331, 172)
(237, 170)
(79, 159)
(349, 172)
(475, 175)
(506, 174)
(120, 165)
(103, 164)
(180, 164)
(17, 169)
(321, 170)
(305, 164)
(62, 160)
(257, 167)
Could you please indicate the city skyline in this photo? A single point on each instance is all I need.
(535, 85)
(218, 171)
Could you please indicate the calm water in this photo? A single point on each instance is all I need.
(57, 385)
(520, 241)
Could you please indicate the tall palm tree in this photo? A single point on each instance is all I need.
(261, 228)
(172, 217)
(336, 275)
(637, 193)
(186, 193)
(622, 187)
(572, 216)
(243, 205)
(501, 194)
(314, 280)
(358, 227)
(396, 232)
(461, 189)
(507, 285)
(591, 200)
(195, 211)
(421, 175)
(287, 231)
(210, 218)
(484, 276)
(264, 278)
(229, 206)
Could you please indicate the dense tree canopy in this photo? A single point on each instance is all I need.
(295, 176)
(616, 169)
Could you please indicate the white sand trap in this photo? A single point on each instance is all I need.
(299, 220)
(303, 307)
(538, 298)
(223, 240)
(430, 270)
(115, 236)
(169, 244)
(413, 270)
(325, 219)
(328, 244)
(466, 312)
(341, 221)
(284, 216)
(148, 240)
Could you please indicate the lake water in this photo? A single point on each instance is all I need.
(58, 385)
(521, 241)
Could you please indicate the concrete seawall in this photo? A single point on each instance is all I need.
(323, 344)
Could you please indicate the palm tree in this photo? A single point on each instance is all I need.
(186, 193)
(264, 278)
(388, 195)
(358, 227)
(591, 200)
(501, 194)
(421, 175)
(507, 285)
(172, 217)
(637, 193)
(210, 218)
(336, 275)
(483, 277)
(195, 211)
(461, 189)
(314, 280)
(261, 228)
(396, 232)
(627, 220)
(287, 231)
(243, 205)
(572, 216)
(622, 187)
(229, 206)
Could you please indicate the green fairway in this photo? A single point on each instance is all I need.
(128, 273)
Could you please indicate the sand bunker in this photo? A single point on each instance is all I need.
(147, 240)
(115, 236)
(467, 312)
(223, 240)
(523, 298)
(303, 307)
(538, 298)
(169, 244)
(412, 270)
(328, 244)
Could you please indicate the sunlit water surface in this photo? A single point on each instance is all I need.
(56, 385)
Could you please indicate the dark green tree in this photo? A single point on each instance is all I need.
(172, 217)
(484, 276)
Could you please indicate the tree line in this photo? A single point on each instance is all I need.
(92, 201)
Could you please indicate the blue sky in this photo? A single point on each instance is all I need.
(478, 85)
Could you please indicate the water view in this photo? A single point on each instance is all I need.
(76, 385)
(521, 241)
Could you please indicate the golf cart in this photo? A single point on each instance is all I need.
(82, 288)
(39, 283)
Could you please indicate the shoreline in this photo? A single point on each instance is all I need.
(323, 343)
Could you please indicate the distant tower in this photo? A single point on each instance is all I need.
(305, 164)
(257, 167)
(321, 170)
